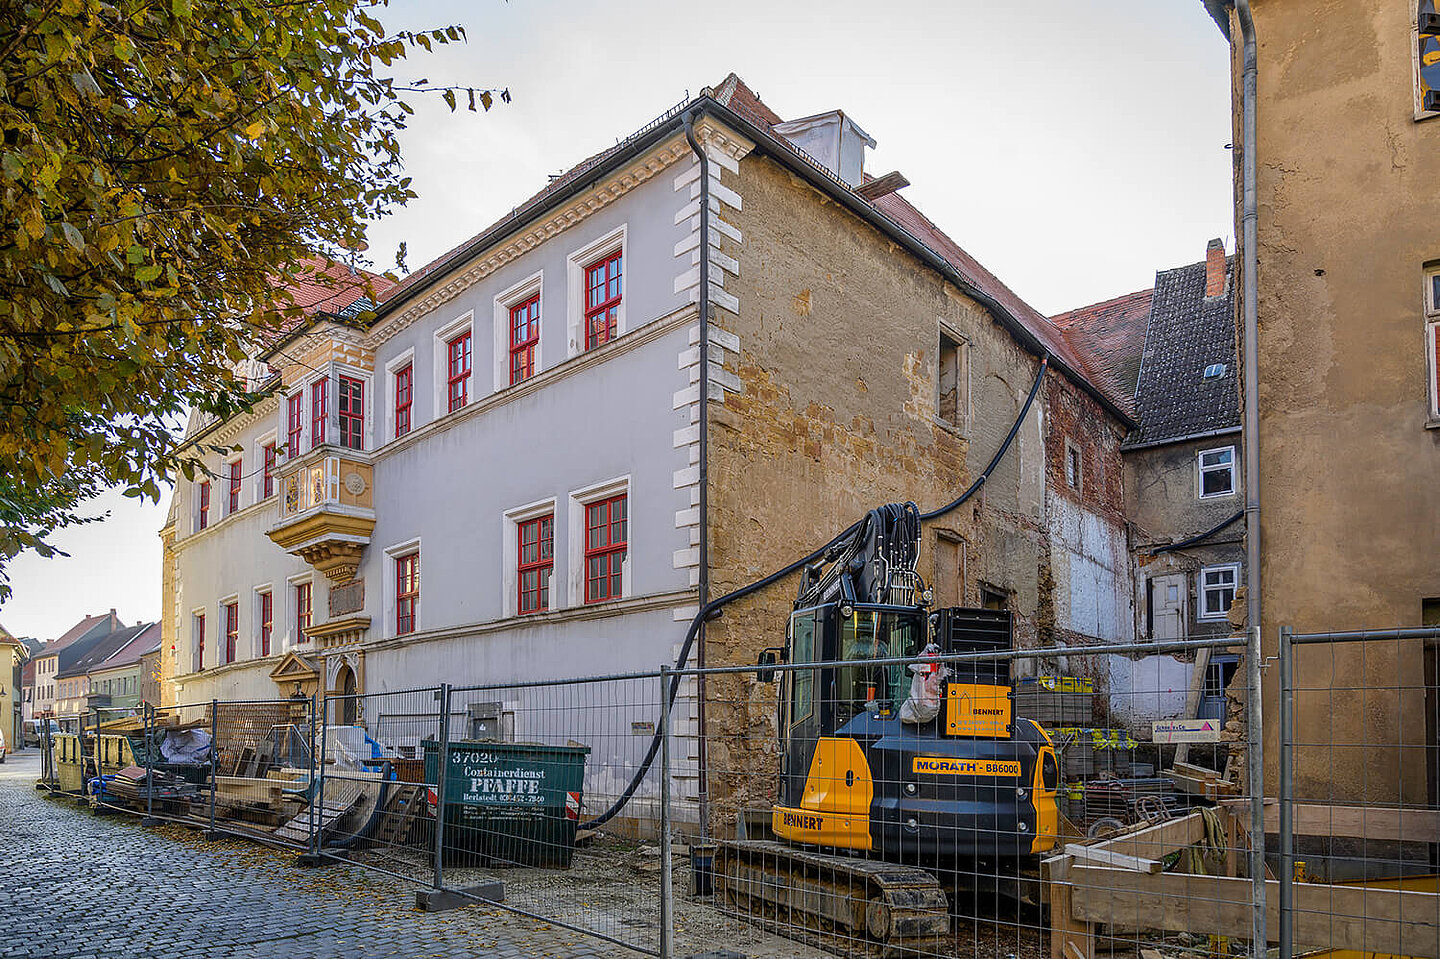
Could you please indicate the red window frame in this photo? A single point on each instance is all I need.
(236, 473)
(352, 413)
(232, 631)
(404, 397)
(200, 646)
(319, 409)
(524, 339)
(303, 607)
(407, 592)
(534, 561)
(293, 424)
(204, 504)
(458, 371)
(267, 621)
(606, 542)
(603, 292)
(267, 487)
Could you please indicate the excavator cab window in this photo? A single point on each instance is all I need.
(868, 634)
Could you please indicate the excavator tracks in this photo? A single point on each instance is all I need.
(851, 907)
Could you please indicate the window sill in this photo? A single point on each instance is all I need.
(1218, 495)
(1433, 423)
(955, 429)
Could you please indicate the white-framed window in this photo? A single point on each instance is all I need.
(227, 630)
(232, 484)
(401, 614)
(399, 389)
(1217, 590)
(1432, 339)
(952, 382)
(1425, 56)
(299, 607)
(599, 559)
(593, 315)
(199, 630)
(518, 313)
(1074, 467)
(528, 541)
(455, 386)
(1215, 472)
(354, 407)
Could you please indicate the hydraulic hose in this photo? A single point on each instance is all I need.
(711, 609)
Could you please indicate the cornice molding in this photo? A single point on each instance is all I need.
(712, 132)
(552, 224)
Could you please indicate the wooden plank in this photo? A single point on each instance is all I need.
(1192, 697)
(1158, 841)
(1368, 919)
(1091, 855)
(1070, 938)
(1364, 822)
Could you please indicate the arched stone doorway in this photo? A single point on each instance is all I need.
(347, 708)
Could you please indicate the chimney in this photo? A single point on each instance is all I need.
(1214, 268)
(833, 140)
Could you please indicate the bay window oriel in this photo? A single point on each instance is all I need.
(319, 410)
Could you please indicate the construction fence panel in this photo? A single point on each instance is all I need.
(377, 798)
(1358, 816)
(553, 790)
(1054, 802)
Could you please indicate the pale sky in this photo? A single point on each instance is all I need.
(1073, 148)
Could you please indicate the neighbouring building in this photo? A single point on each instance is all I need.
(60, 653)
(1172, 349)
(496, 475)
(120, 680)
(1348, 153)
(13, 654)
(90, 670)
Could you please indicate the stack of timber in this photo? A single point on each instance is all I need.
(1199, 781)
(325, 817)
(132, 786)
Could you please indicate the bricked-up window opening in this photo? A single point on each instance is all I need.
(993, 598)
(303, 608)
(199, 663)
(404, 399)
(605, 547)
(407, 592)
(1217, 472)
(954, 380)
(267, 622)
(237, 474)
(319, 410)
(352, 413)
(232, 631)
(524, 339)
(267, 485)
(204, 518)
(292, 426)
(536, 562)
(458, 388)
(602, 300)
(1217, 590)
(1073, 475)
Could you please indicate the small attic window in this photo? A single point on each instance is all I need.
(1214, 371)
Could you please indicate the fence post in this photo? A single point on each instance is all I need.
(320, 712)
(442, 761)
(1287, 791)
(214, 760)
(1255, 775)
(149, 742)
(667, 930)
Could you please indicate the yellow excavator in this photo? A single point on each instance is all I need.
(887, 799)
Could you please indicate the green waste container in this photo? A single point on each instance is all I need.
(510, 803)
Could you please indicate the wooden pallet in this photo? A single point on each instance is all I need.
(326, 816)
(406, 802)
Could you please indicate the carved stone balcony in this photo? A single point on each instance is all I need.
(327, 511)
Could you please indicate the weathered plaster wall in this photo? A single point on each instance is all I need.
(1350, 516)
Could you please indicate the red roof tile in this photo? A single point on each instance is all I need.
(1112, 335)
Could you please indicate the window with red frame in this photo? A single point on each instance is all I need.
(233, 502)
(404, 395)
(407, 592)
(267, 622)
(352, 413)
(232, 631)
(319, 410)
(605, 542)
(459, 371)
(602, 300)
(204, 519)
(292, 426)
(199, 663)
(536, 561)
(302, 610)
(524, 339)
(267, 487)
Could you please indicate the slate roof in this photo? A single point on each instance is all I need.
(87, 627)
(1188, 331)
(1111, 334)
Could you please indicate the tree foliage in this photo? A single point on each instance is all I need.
(164, 166)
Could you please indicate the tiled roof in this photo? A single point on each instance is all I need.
(1188, 332)
(146, 639)
(97, 625)
(1111, 334)
(96, 650)
(325, 287)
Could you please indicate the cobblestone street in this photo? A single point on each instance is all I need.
(79, 886)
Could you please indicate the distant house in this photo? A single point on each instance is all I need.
(59, 654)
(13, 653)
(119, 681)
(101, 670)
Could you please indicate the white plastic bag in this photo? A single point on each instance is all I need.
(926, 688)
